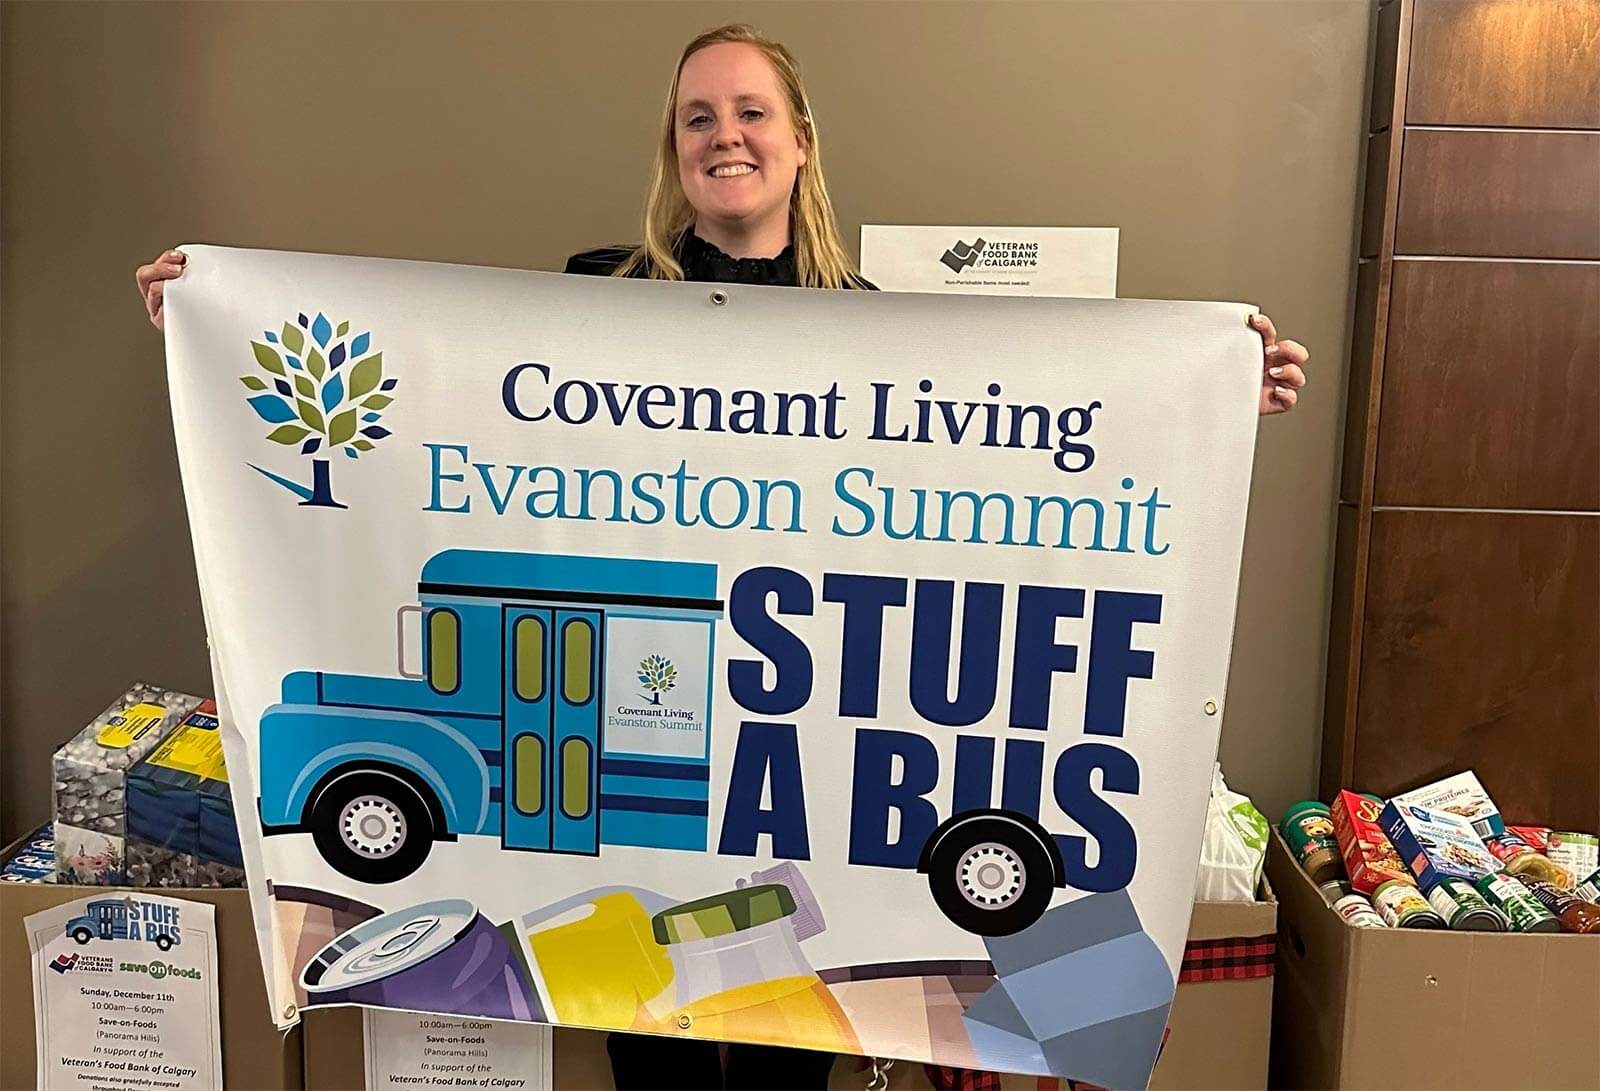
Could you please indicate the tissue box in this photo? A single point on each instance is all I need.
(90, 780)
(181, 829)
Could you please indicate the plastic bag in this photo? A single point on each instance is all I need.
(1234, 846)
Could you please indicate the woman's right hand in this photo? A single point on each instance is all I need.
(153, 278)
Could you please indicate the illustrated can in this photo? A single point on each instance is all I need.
(1308, 828)
(1402, 905)
(1517, 903)
(1589, 889)
(1358, 912)
(438, 956)
(1464, 909)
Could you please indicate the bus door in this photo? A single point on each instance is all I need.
(525, 758)
(552, 730)
(575, 675)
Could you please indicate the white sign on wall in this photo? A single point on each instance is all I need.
(1040, 261)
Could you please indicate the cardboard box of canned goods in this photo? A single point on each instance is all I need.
(1424, 1010)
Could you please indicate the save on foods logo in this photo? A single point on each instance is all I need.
(323, 392)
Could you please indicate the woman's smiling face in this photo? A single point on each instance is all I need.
(738, 146)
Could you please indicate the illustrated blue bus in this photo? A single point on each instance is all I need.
(113, 918)
(564, 703)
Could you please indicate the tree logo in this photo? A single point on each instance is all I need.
(324, 393)
(657, 675)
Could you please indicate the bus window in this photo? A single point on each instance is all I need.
(575, 778)
(529, 757)
(529, 665)
(444, 651)
(577, 637)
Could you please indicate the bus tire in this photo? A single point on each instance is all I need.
(991, 876)
(82, 935)
(372, 826)
(164, 943)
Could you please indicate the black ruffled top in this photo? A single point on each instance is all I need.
(701, 261)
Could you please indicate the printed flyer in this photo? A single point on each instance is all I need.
(125, 994)
(829, 669)
(405, 1050)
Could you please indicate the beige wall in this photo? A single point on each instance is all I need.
(1222, 137)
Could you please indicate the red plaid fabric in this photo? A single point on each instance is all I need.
(945, 1078)
(1237, 958)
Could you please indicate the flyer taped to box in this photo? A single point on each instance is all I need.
(839, 670)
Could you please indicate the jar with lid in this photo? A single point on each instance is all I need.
(739, 973)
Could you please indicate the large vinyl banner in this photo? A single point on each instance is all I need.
(829, 669)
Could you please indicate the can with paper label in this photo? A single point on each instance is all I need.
(1589, 889)
(1579, 853)
(1402, 906)
(1464, 909)
(1308, 828)
(1357, 912)
(1513, 899)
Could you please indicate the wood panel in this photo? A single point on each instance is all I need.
(1340, 685)
(1491, 386)
(1499, 194)
(1386, 55)
(1363, 358)
(1375, 192)
(1532, 63)
(1479, 652)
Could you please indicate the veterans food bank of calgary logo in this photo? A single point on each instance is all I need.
(323, 392)
(991, 255)
(962, 255)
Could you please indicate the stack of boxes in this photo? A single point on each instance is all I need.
(91, 781)
(181, 829)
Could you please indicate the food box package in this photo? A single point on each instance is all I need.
(33, 860)
(1462, 796)
(181, 829)
(1437, 844)
(1370, 858)
(90, 777)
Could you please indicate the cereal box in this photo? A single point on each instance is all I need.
(1437, 844)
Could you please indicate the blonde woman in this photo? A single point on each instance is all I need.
(737, 196)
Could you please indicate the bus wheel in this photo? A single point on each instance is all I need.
(372, 827)
(991, 876)
(164, 943)
(82, 935)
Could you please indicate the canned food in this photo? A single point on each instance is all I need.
(1579, 853)
(1402, 905)
(1308, 828)
(1334, 890)
(1464, 909)
(1520, 860)
(1589, 889)
(1517, 903)
(1358, 912)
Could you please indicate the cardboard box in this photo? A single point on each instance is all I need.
(1220, 1030)
(1368, 1007)
(254, 1053)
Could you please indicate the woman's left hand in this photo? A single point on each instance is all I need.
(1282, 368)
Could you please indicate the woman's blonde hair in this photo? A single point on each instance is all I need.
(821, 260)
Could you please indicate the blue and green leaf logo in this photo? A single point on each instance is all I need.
(323, 391)
(657, 675)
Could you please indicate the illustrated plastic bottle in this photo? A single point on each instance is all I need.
(739, 973)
